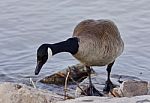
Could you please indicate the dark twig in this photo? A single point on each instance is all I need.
(76, 83)
(112, 94)
(65, 88)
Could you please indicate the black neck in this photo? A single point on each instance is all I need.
(70, 45)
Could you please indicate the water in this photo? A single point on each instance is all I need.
(24, 25)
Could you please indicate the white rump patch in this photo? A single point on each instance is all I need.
(49, 52)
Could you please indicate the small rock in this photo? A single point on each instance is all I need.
(132, 88)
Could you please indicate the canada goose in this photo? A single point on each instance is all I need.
(94, 43)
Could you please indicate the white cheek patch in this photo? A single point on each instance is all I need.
(49, 52)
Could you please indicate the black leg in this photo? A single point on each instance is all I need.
(91, 90)
(108, 84)
(89, 75)
(109, 70)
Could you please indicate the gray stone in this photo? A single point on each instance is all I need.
(133, 88)
(19, 93)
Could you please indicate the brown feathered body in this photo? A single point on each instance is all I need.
(100, 42)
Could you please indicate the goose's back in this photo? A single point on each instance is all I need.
(100, 42)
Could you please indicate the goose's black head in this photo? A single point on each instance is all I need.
(42, 56)
(70, 45)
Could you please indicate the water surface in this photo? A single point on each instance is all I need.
(24, 25)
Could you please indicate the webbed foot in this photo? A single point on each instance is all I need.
(108, 86)
(92, 91)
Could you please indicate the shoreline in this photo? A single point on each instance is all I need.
(21, 93)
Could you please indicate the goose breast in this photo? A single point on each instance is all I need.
(100, 42)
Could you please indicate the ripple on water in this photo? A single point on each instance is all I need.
(24, 25)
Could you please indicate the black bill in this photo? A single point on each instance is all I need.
(38, 67)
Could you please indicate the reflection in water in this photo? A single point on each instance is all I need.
(24, 25)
